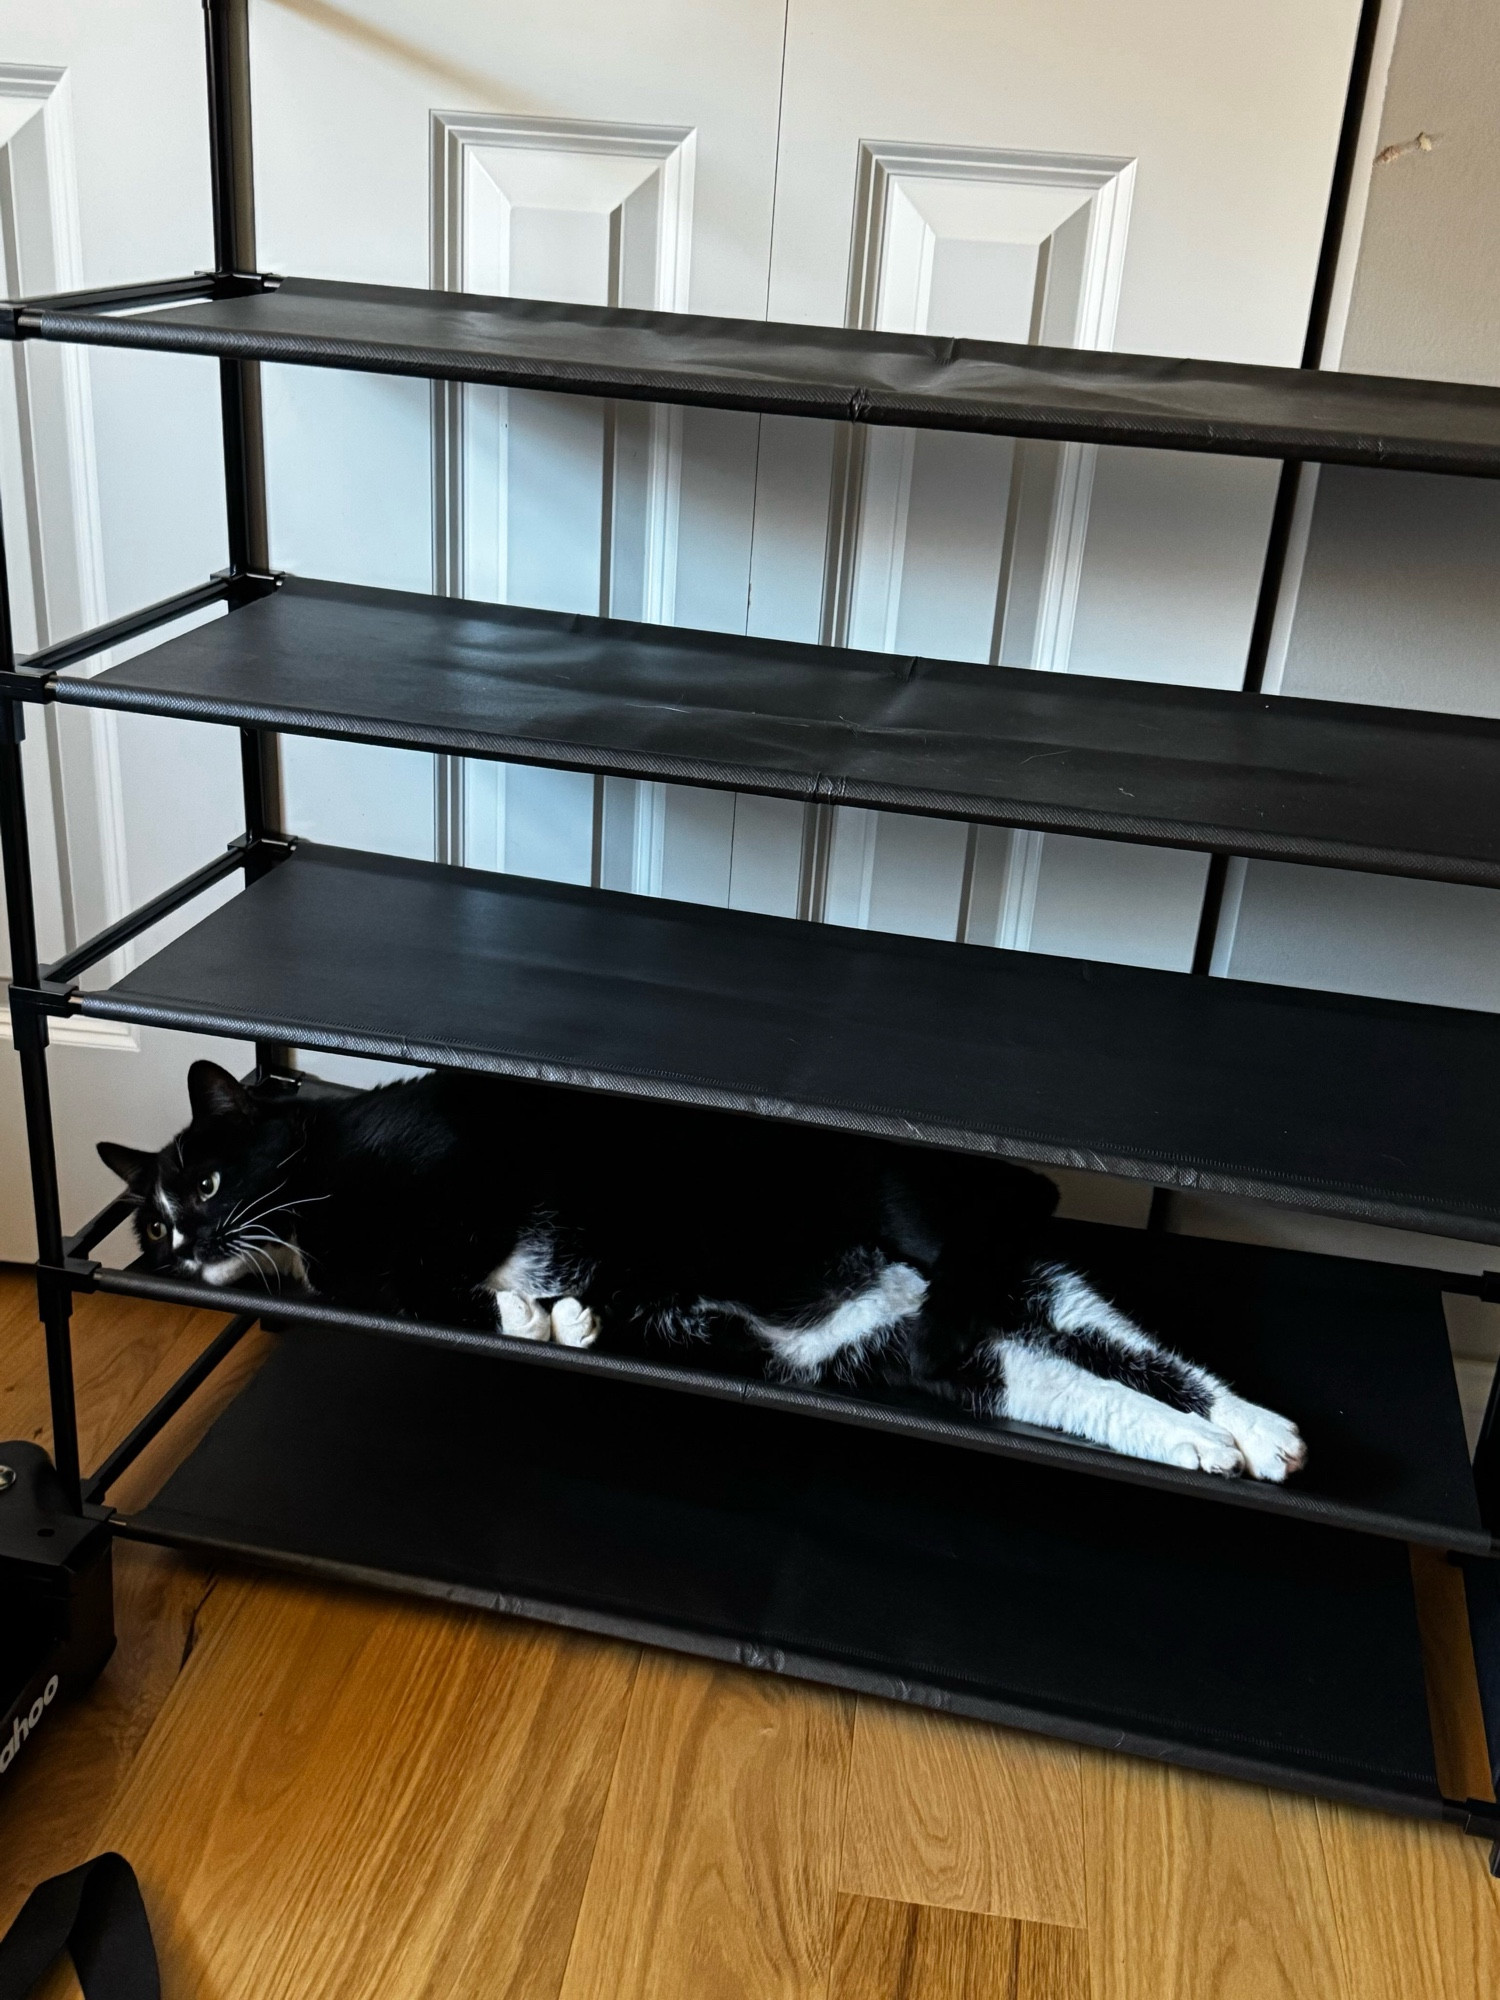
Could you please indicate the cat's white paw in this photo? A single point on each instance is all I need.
(1271, 1446)
(522, 1318)
(1201, 1446)
(573, 1325)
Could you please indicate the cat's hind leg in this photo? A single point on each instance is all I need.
(1078, 1325)
(1041, 1387)
(1272, 1446)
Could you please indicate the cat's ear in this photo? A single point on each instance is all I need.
(125, 1161)
(214, 1093)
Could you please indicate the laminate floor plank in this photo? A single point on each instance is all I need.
(1202, 1890)
(351, 1796)
(1417, 1910)
(55, 1800)
(125, 1352)
(1453, 1702)
(963, 1816)
(910, 1951)
(716, 1869)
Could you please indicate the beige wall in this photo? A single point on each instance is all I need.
(1399, 598)
(1427, 293)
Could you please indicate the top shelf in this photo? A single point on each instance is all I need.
(804, 371)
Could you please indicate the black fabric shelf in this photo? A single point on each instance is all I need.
(1255, 1648)
(1355, 1107)
(1356, 1353)
(809, 371)
(1285, 779)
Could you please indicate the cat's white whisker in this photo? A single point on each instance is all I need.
(258, 1201)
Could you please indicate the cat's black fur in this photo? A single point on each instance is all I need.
(733, 1242)
(403, 1199)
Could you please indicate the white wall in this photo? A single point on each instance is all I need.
(1400, 592)
(1399, 598)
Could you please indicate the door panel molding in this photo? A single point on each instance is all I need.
(51, 494)
(987, 243)
(1035, 251)
(595, 213)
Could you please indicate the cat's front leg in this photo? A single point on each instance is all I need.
(574, 1324)
(522, 1318)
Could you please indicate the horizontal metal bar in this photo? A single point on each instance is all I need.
(1005, 1440)
(98, 1227)
(1471, 1284)
(19, 317)
(161, 1413)
(1477, 1816)
(110, 298)
(102, 943)
(52, 659)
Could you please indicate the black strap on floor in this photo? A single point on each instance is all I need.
(94, 1912)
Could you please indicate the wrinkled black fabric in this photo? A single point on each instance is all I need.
(96, 1914)
(813, 371)
(1373, 1108)
(1281, 778)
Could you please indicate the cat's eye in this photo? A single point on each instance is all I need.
(156, 1229)
(208, 1187)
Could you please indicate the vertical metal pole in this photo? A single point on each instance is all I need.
(1283, 513)
(231, 166)
(1482, 1588)
(29, 1031)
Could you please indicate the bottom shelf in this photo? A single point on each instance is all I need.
(1277, 1651)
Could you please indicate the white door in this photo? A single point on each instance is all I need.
(1149, 174)
(1144, 175)
(112, 491)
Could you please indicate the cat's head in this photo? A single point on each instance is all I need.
(213, 1204)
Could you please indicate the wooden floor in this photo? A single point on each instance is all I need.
(332, 1796)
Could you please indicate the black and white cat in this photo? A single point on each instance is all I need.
(648, 1228)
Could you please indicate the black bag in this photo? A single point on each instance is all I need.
(56, 1632)
(94, 1912)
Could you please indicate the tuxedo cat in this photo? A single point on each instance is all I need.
(653, 1229)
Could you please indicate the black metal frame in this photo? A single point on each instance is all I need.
(65, 1265)
(1289, 485)
(36, 991)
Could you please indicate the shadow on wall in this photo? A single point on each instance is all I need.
(471, 86)
(1399, 605)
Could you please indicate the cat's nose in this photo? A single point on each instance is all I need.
(178, 1239)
